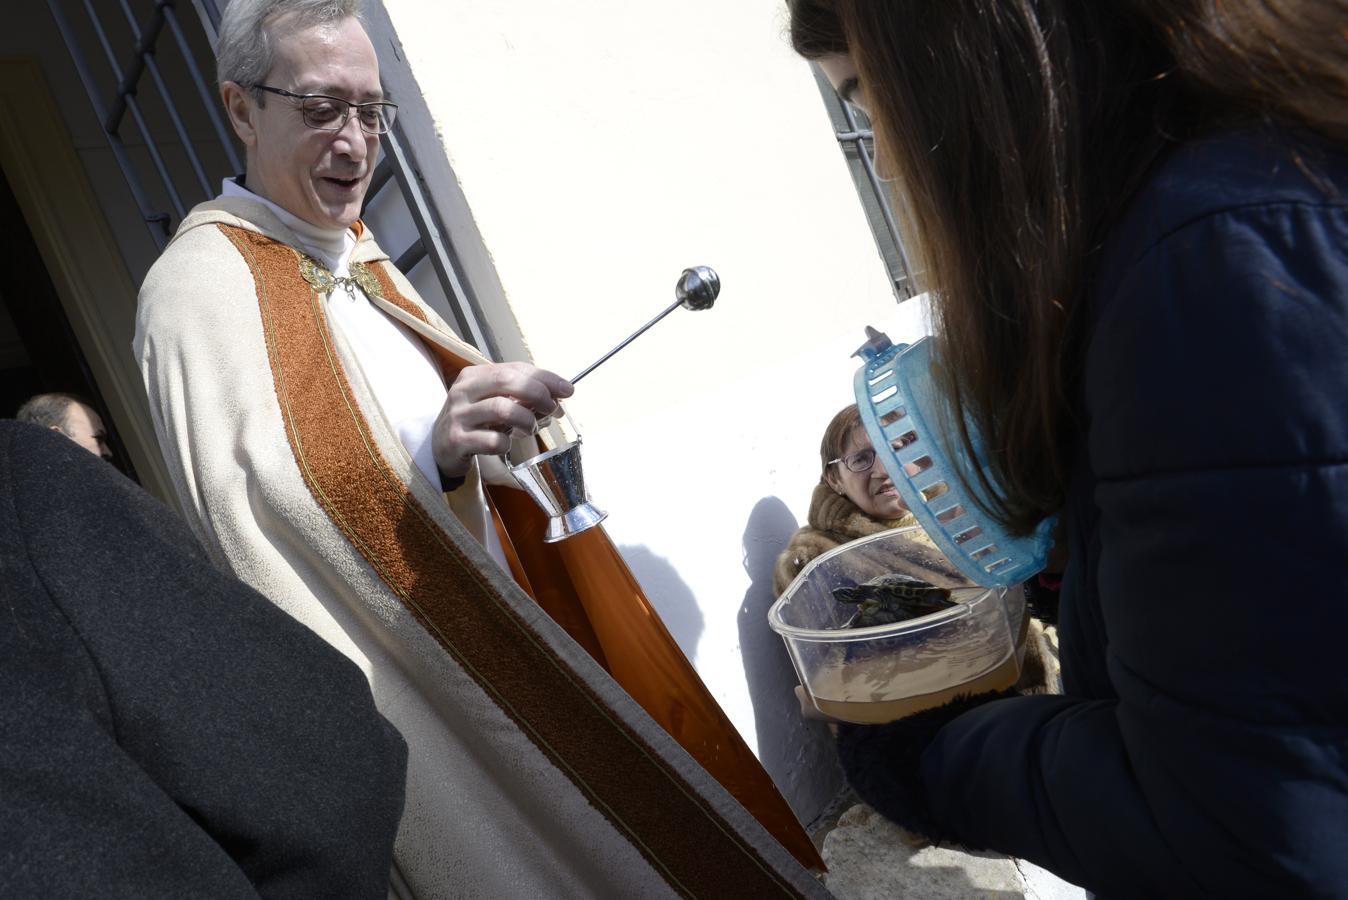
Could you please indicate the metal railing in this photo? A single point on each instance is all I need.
(858, 144)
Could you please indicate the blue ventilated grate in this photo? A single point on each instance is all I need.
(901, 405)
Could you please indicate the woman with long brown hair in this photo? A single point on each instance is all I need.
(1139, 208)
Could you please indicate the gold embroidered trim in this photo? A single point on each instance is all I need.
(321, 279)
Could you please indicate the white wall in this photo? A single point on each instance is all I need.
(702, 513)
(602, 148)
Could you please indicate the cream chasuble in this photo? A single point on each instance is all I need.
(533, 773)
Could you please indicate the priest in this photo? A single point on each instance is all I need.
(336, 446)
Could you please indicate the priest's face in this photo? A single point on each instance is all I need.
(318, 175)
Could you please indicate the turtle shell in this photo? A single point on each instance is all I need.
(890, 598)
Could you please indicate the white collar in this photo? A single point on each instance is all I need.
(330, 245)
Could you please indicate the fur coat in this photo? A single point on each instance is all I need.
(833, 521)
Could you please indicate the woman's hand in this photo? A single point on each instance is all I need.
(809, 711)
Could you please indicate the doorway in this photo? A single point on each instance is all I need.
(40, 353)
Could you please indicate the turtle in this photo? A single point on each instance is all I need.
(891, 598)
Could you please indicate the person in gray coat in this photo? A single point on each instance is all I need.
(165, 731)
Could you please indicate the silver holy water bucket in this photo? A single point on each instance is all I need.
(556, 483)
(554, 478)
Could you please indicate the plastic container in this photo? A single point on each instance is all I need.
(886, 672)
(900, 404)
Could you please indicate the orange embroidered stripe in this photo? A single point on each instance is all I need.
(696, 852)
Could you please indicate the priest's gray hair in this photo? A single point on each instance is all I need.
(245, 48)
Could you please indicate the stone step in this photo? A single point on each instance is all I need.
(871, 858)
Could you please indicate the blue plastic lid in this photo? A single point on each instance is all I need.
(900, 404)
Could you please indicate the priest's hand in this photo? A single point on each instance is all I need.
(488, 405)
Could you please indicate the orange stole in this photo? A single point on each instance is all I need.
(584, 585)
(476, 623)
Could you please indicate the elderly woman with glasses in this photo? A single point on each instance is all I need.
(855, 498)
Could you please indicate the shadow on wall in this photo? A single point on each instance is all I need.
(671, 598)
(798, 754)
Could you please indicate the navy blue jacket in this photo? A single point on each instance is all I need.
(1202, 747)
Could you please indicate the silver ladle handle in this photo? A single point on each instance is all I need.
(697, 289)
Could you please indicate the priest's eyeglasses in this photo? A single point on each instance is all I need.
(330, 113)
